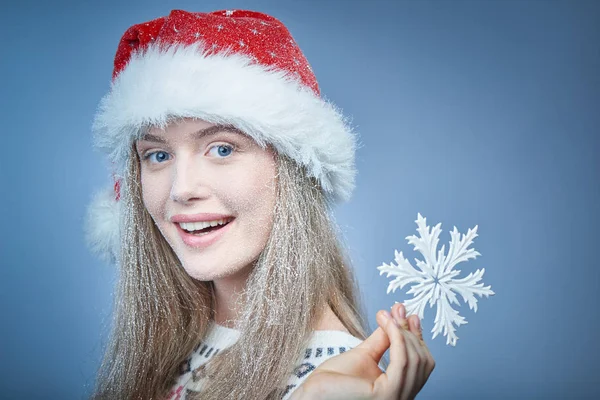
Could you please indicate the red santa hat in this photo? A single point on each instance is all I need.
(235, 67)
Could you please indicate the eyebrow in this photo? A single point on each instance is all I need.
(211, 130)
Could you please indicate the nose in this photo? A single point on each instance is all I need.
(188, 183)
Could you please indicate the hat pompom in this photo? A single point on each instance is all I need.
(102, 225)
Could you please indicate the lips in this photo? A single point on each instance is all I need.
(205, 240)
(197, 217)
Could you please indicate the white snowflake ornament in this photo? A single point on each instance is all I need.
(435, 282)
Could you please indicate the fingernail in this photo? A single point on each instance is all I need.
(418, 323)
(402, 312)
(387, 314)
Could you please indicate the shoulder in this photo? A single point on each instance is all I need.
(323, 345)
(329, 339)
(330, 322)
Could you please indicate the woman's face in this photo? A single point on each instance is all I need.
(211, 192)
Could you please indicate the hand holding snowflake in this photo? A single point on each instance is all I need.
(435, 281)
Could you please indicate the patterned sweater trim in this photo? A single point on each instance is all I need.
(322, 346)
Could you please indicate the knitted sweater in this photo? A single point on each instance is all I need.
(322, 346)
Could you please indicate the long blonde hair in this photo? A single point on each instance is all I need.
(160, 313)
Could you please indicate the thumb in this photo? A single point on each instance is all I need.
(378, 343)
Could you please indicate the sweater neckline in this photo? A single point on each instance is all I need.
(231, 331)
(221, 333)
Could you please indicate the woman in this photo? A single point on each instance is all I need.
(227, 162)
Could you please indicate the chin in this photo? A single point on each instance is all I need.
(201, 272)
(207, 271)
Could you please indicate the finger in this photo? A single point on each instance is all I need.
(430, 365)
(419, 356)
(415, 327)
(416, 358)
(411, 325)
(377, 344)
(421, 349)
(392, 381)
(399, 313)
(427, 362)
(412, 379)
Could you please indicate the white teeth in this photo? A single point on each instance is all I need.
(196, 226)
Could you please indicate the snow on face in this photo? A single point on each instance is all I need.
(195, 167)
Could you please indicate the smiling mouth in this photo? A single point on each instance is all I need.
(203, 228)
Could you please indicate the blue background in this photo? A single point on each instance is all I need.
(470, 112)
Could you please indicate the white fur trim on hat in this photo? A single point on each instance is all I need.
(102, 225)
(268, 104)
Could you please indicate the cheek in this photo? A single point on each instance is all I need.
(254, 190)
(250, 193)
(152, 194)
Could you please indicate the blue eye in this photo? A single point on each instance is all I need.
(223, 150)
(160, 156)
